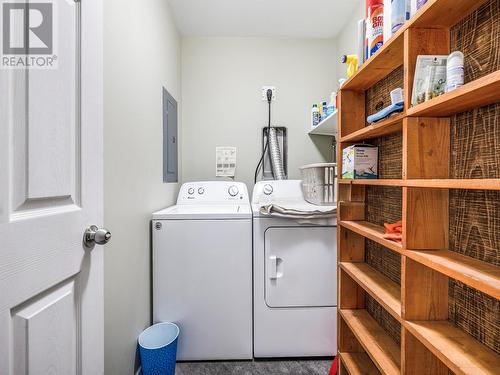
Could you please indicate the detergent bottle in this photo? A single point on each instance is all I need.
(375, 25)
(352, 63)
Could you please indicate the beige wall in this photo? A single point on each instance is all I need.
(222, 104)
(142, 54)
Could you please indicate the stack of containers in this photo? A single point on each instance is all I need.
(319, 183)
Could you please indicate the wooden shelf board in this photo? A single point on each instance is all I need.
(382, 349)
(380, 182)
(478, 93)
(434, 14)
(479, 275)
(387, 58)
(443, 13)
(358, 364)
(474, 184)
(388, 126)
(373, 232)
(385, 291)
(461, 353)
(327, 127)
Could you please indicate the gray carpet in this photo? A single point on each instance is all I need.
(259, 367)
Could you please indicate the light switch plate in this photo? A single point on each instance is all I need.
(264, 92)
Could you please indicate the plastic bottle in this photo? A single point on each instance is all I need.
(315, 115)
(331, 106)
(352, 64)
(375, 25)
(416, 5)
(400, 13)
(454, 71)
(420, 3)
(324, 110)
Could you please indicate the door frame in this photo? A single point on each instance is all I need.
(92, 309)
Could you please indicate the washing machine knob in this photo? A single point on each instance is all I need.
(191, 191)
(233, 190)
(201, 190)
(268, 189)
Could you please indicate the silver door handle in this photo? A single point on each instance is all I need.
(95, 235)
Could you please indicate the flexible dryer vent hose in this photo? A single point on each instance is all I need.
(275, 155)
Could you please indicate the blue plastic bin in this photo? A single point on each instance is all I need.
(158, 349)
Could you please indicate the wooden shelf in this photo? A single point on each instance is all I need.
(430, 343)
(373, 232)
(478, 93)
(385, 291)
(482, 276)
(435, 14)
(326, 127)
(388, 126)
(456, 349)
(382, 349)
(473, 184)
(375, 182)
(387, 58)
(358, 364)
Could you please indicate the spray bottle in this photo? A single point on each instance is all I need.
(352, 64)
(375, 25)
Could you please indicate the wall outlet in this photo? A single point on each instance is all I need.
(264, 92)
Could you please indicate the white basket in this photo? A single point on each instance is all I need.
(319, 183)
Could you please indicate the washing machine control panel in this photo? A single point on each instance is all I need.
(213, 192)
(268, 189)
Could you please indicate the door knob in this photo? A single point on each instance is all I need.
(95, 235)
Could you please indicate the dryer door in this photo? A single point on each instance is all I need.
(300, 266)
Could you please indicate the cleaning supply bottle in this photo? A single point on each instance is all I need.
(320, 109)
(331, 106)
(315, 115)
(352, 64)
(454, 71)
(324, 110)
(400, 13)
(375, 26)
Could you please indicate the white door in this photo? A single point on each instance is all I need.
(300, 267)
(51, 287)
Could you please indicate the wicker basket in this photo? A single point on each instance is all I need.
(319, 183)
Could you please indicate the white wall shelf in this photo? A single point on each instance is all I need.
(326, 127)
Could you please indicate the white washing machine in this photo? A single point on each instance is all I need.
(202, 270)
(295, 278)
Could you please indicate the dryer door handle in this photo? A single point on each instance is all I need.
(272, 267)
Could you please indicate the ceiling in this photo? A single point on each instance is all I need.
(262, 18)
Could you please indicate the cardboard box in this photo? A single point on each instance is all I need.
(360, 162)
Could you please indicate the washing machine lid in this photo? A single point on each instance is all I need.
(204, 212)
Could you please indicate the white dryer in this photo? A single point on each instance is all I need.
(295, 278)
(202, 270)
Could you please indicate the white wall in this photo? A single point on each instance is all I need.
(142, 54)
(222, 104)
(347, 39)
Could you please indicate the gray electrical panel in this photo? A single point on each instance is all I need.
(170, 139)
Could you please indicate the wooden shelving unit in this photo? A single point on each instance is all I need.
(430, 344)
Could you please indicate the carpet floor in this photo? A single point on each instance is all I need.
(258, 367)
